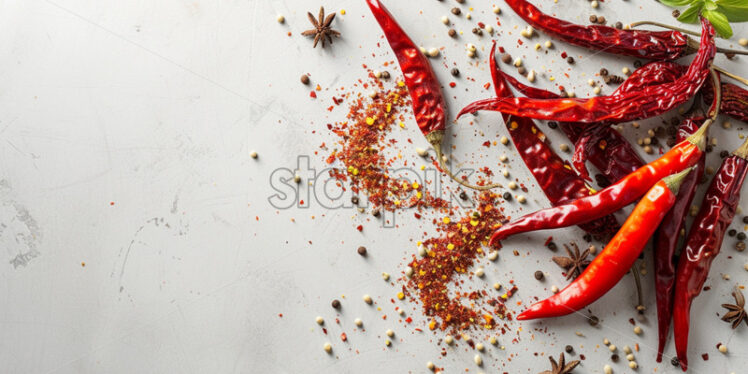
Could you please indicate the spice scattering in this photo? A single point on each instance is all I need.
(449, 256)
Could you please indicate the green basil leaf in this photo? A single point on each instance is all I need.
(710, 5)
(720, 22)
(676, 3)
(691, 15)
(734, 14)
(732, 3)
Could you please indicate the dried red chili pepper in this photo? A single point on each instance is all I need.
(429, 107)
(704, 242)
(653, 45)
(559, 183)
(606, 148)
(734, 100)
(666, 238)
(618, 256)
(647, 102)
(614, 197)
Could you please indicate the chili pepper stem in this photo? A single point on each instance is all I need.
(742, 151)
(699, 137)
(638, 283)
(714, 110)
(731, 75)
(436, 138)
(693, 45)
(674, 181)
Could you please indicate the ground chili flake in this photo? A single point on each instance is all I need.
(449, 255)
(363, 137)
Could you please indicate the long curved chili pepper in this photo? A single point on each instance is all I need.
(559, 183)
(429, 106)
(614, 197)
(666, 239)
(704, 242)
(647, 102)
(654, 45)
(609, 152)
(618, 256)
(734, 101)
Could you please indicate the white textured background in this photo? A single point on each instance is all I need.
(156, 105)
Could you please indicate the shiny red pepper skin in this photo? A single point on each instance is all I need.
(610, 199)
(734, 101)
(559, 183)
(645, 103)
(608, 150)
(607, 269)
(429, 106)
(666, 239)
(704, 242)
(653, 45)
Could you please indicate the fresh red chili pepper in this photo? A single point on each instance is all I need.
(429, 107)
(666, 239)
(655, 45)
(559, 183)
(618, 256)
(647, 102)
(704, 242)
(608, 150)
(614, 197)
(734, 100)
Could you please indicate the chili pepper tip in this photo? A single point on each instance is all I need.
(674, 181)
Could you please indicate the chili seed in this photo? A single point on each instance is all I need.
(253, 154)
(607, 369)
(593, 320)
(496, 10)
(327, 347)
(740, 246)
(743, 42)
(452, 33)
(305, 79)
(367, 299)
(570, 60)
(507, 196)
(320, 320)
(732, 232)
(361, 250)
(569, 349)
(521, 199)
(336, 304)
(430, 365)
(506, 58)
(280, 18)
(741, 236)
(637, 330)
(539, 275)
(456, 11)
(676, 14)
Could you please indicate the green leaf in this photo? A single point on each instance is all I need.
(676, 3)
(735, 10)
(710, 5)
(720, 22)
(691, 15)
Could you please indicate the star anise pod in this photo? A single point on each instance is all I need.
(322, 30)
(561, 367)
(736, 312)
(574, 263)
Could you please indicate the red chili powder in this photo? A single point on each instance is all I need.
(451, 255)
(362, 139)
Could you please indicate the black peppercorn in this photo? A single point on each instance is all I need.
(455, 72)
(354, 200)
(553, 125)
(570, 60)
(732, 232)
(741, 236)
(604, 72)
(674, 361)
(593, 320)
(552, 246)
(593, 18)
(456, 11)
(452, 33)
(336, 304)
(724, 154)
(614, 358)
(507, 196)
(305, 79)
(539, 275)
(569, 349)
(361, 250)
(463, 195)
(386, 74)
(745, 220)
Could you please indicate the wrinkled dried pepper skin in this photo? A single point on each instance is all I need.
(653, 45)
(559, 183)
(652, 73)
(429, 106)
(734, 101)
(703, 244)
(666, 239)
(607, 269)
(608, 200)
(609, 151)
(635, 105)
